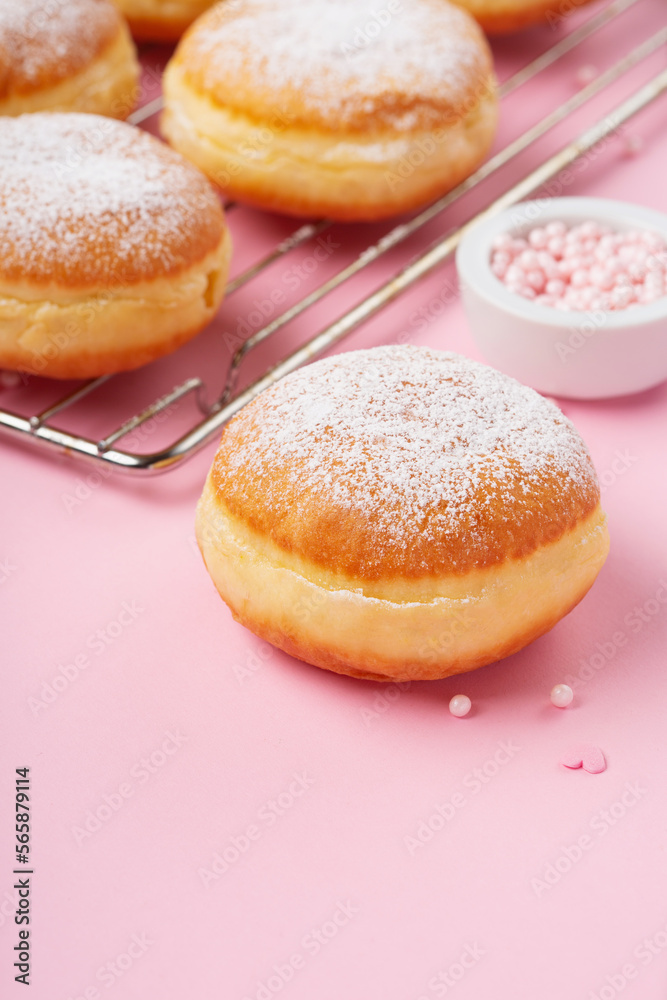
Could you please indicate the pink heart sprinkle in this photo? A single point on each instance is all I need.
(587, 756)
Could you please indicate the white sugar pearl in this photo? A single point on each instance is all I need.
(561, 695)
(460, 705)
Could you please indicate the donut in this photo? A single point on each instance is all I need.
(335, 108)
(66, 56)
(161, 20)
(113, 249)
(401, 514)
(498, 17)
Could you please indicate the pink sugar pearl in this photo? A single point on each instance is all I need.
(602, 277)
(460, 705)
(536, 280)
(582, 267)
(556, 245)
(556, 228)
(527, 260)
(579, 278)
(586, 74)
(555, 287)
(514, 274)
(561, 695)
(633, 145)
(502, 242)
(538, 238)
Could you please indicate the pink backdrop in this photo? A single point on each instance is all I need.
(213, 819)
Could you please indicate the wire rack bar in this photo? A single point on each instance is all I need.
(73, 397)
(170, 399)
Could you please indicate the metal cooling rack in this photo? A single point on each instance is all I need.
(40, 429)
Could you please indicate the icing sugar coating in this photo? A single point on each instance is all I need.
(86, 200)
(341, 63)
(45, 41)
(405, 461)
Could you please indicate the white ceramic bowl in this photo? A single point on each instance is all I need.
(581, 355)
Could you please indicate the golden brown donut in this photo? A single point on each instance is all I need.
(161, 20)
(113, 249)
(499, 17)
(401, 513)
(345, 108)
(66, 56)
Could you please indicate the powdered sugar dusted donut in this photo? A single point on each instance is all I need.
(161, 20)
(66, 55)
(113, 249)
(332, 107)
(502, 16)
(401, 513)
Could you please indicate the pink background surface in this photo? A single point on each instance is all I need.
(321, 781)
